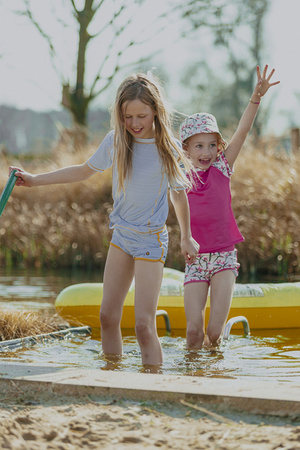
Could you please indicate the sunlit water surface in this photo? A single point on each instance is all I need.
(267, 355)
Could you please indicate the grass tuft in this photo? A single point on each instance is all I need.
(20, 324)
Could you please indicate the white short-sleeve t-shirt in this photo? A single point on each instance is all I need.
(144, 205)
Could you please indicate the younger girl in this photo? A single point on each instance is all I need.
(144, 158)
(212, 221)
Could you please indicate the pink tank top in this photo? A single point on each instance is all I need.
(213, 224)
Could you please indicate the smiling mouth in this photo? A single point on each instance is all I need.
(204, 161)
(137, 131)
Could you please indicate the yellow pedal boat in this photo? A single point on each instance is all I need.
(266, 306)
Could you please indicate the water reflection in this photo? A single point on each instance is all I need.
(202, 362)
(37, 290)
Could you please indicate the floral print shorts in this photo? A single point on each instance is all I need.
(208, 264)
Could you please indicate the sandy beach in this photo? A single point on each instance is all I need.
(44, 421)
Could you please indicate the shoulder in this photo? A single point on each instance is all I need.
(103, 156)
(107, 143)
(108, 140)
(222, 164)
(110, 137)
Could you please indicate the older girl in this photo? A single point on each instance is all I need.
(146, 161)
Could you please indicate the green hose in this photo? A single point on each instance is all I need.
(7, 190)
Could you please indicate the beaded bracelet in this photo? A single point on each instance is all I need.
(254, 103)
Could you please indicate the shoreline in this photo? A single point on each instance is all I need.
(49, 408)
(272, 398)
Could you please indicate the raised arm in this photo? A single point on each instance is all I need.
(68, 174)
(189, 247)
(262, 86)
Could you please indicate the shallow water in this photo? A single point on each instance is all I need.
(267, 355)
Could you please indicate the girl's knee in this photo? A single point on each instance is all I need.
(194, 336)
(214, 336)
(108, 319)
(144, 332)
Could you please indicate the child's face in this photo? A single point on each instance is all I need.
(139, 119)
(202, 149)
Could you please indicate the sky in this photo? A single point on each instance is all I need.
(28, 79)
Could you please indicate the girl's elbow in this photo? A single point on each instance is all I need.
(86, 171)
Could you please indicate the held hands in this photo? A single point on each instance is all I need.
(24, 178)
(189, 249)
(263, 84)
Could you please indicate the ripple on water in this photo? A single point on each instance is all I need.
(237, 358)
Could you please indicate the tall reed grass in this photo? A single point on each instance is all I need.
(68, 225)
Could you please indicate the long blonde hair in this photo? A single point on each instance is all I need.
(147, 90)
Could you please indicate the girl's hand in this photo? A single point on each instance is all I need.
(263, 82)
(189, 249)
(24, 178)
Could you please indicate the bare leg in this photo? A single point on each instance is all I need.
(148, 278)
(222, 285)
(195, 298)
(118, 275)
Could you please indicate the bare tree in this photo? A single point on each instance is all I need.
(113, 19)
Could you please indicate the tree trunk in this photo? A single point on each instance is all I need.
(74, 99)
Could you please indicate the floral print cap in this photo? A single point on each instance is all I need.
(200, 123)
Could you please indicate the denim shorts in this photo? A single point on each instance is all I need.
(145, 246)
(208, 264)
